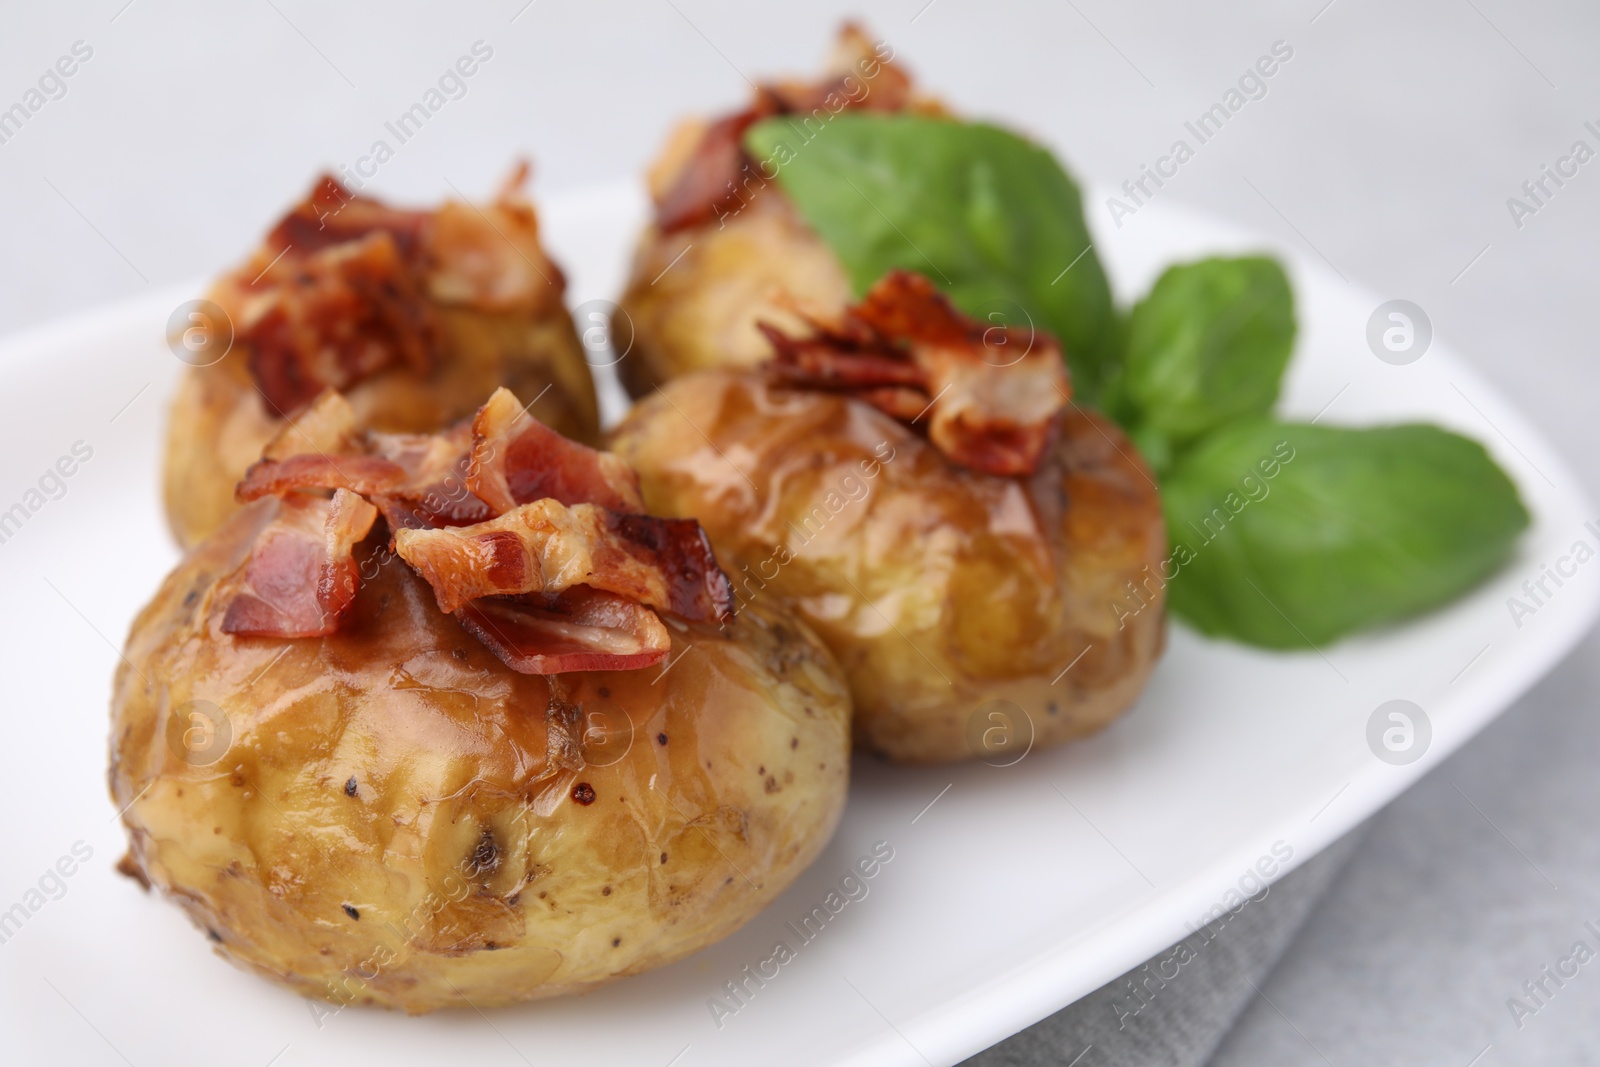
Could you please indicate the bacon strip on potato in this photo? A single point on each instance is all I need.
(516, 459)
(990, 396)
(707, 186)
(538, 545)
(416, 480)
(548, 547)
(338, 315)
(348, 292)
(580, 630)
(300, 577)
(332, 215)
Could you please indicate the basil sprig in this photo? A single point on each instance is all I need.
(1283, 534)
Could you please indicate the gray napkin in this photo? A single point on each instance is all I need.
(1140, 1020)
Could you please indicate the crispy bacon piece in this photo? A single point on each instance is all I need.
(538, 545)
(335, 316)
(470, 473)
(345, 286)
(989, 396)
(369, 476)
(708, 185)
(547, 547)
(705, 187)
(416, 480)
(516, 459)
(301, 574)
(332, 215)
(581, 629)
(435, 492)
(328, 425)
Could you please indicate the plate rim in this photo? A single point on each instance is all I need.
(1062, 972)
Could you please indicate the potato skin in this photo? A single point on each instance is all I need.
(939, 589)
(218, 422)
(701, 311)
(401, 820)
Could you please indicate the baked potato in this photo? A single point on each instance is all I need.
(725, 248)
(986, 585)
(393, 810)
(414, 315)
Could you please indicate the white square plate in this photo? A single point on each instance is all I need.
(1012, 891)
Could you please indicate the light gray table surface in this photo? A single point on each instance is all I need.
(1389, 147)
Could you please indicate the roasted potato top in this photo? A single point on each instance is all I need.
(940, 589)
(726, 248)
(389, 814)
(415, 316)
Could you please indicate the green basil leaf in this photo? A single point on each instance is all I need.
(1152, 444)
(1208, 345)
(988, 216)
(1288, 535)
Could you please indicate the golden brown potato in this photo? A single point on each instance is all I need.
(390, 815)
(939, 589)
(449, 304)
(726, 248)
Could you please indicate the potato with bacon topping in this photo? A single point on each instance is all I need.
(924, 493)
(725, 248)
(525, 748)
(414, 315)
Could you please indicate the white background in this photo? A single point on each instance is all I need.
(1388, 146)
